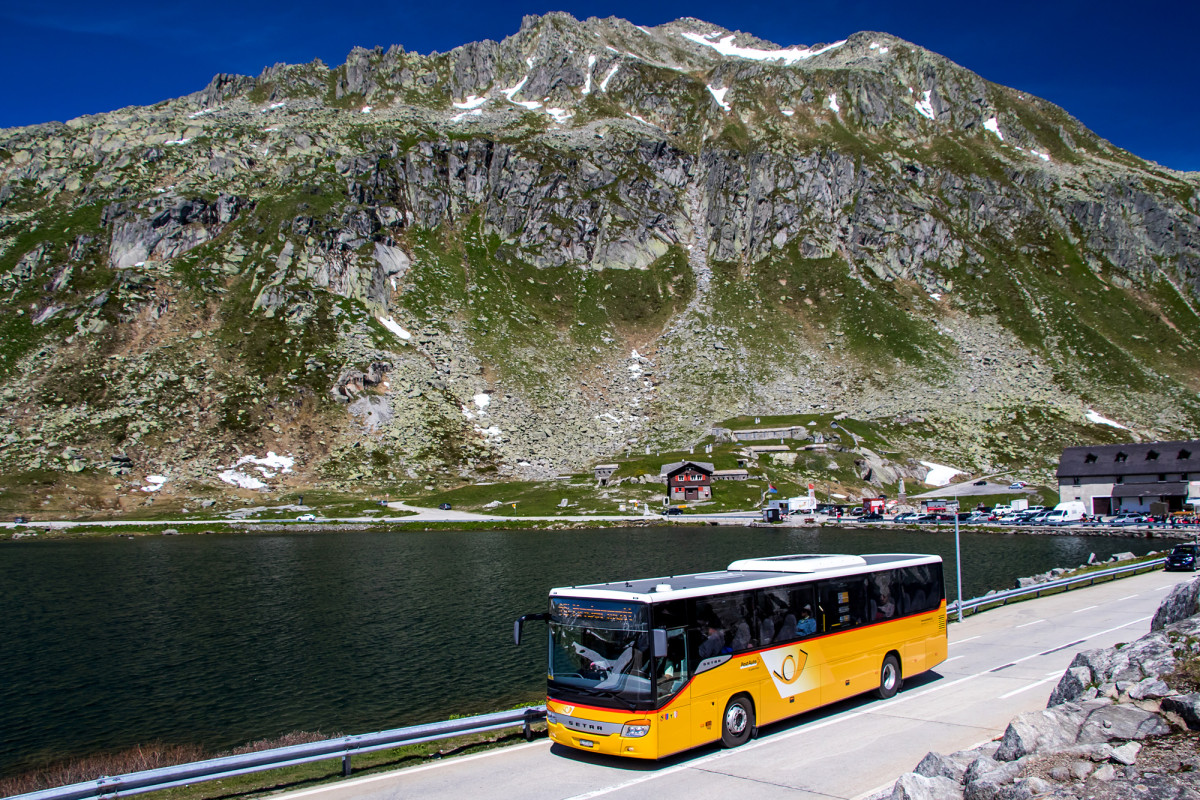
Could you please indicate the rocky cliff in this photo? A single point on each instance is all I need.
(519, 257)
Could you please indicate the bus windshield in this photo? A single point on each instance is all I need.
(600, 652)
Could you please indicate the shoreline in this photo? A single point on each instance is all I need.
(430, 520)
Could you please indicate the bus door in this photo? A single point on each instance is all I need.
(852, 666)
(726, 663)
(787, 619)
(674, 662)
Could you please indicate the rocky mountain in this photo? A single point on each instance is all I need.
(516, 258)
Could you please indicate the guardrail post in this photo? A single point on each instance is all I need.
(346, 765)
(527, 729)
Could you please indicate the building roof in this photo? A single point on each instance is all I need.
(1141, 458)
(607, 466)
(731, 472)
(667, 469)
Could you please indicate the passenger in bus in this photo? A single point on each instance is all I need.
(741, 637)
(885, 609)
(766, 625)
(715, 643)
(807, 626)
(786, 631)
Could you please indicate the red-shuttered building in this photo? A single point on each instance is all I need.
(688, 480)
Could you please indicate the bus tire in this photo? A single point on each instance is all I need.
(890, 679)
(738, 721)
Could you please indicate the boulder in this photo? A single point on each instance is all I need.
(919, 787)
(1186, 707)
(1181, 603)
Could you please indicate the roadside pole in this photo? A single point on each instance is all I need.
(957, 559)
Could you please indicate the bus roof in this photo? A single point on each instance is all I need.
(746, 574)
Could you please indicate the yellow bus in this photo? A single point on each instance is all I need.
(646, 668)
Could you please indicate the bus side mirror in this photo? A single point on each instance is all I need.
(521, 621)
(660, 642)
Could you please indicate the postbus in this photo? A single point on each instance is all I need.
(649, 667)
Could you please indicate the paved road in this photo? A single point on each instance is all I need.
(1002, 662)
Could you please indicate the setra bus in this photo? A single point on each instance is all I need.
(647, 668)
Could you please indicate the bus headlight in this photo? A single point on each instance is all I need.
(551, 717)
(635, 729)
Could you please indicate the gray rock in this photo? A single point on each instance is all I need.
(1127, 753)
(1187, 707)
(935, 765)
(920, 787)
(1074, 682)
(1120, 722)
(1181, 603)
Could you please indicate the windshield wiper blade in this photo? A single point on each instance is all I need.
(632, 706)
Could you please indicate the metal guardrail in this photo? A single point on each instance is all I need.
(342, 747)
(1064, 584)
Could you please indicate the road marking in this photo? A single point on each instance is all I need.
(969, 638)
(1064, 647)
(1130, 597)
(1085, 608)
(410, 770)
(1035, 622)
(1016, 692)
(956, 658)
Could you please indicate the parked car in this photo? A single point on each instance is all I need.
(1017, 485)
(981, 483)
(444, 506)
(1183, 558)
(874, 516)
(306, 518)
(1127, 518)
(21, 520)
(907, 516)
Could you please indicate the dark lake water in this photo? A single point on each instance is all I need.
(220, 640)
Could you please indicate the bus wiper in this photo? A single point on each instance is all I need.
(615, 696)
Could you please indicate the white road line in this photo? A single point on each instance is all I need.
(969, 638)
(1035, 622)
(1130, 597)
(1016, 692)
(955, 658)
(393, 774)
(1081, 610)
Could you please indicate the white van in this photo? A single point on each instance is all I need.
(1063, 513)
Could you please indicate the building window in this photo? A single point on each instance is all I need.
(1183, 476)
(1074, 481)
(1162, 478)
(1121, 457)
(1120, 479)
(1152, 455)
(1090, 458)
(1184, 455)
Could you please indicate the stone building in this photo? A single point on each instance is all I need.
(1145, 477)
(688, 480)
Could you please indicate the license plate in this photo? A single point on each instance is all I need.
(586, 743)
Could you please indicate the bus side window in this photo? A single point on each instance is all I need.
(843, 603)
(804, 606)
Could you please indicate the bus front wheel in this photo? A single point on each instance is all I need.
(738, 721)
(890, 679)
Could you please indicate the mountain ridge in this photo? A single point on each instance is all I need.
(519, 257)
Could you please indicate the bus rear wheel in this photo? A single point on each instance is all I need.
(738, 721)
(890, 679)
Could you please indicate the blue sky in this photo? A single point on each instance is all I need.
(1127, 71)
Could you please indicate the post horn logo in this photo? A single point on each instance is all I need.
(791, 667)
